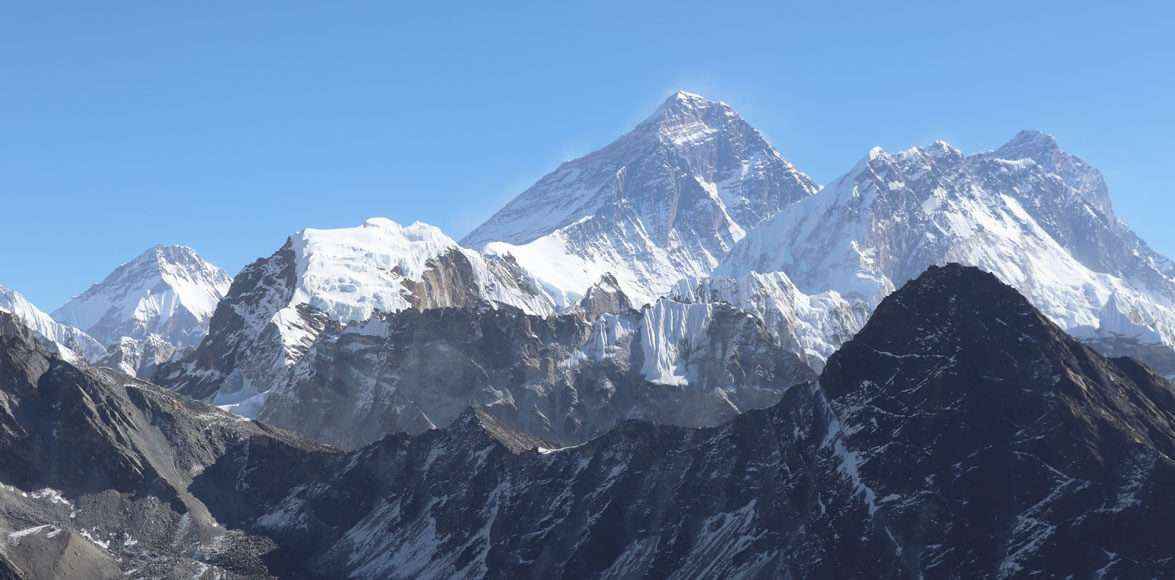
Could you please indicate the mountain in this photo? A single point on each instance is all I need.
(1035, 216)
(168, 291)
(960, 434)
(554, 380)
(105, 476)
(664, 201)
(323, 278)
(69, 342)
(810, 325)
(138, 358)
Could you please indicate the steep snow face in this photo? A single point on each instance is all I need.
(664, 201)
(169, 291)
(71, 343)
(1031, 214)
(323, 278)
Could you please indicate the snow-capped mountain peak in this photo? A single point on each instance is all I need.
(68, 342)
(687, 118)
(1035, 216)
(168, 291)
(1042, 149)
(664, 201)
(322, 278)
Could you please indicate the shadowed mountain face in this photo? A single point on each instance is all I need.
(555, 380)
(321, 279)
(995, 444)
(959, 434)
(102, 475)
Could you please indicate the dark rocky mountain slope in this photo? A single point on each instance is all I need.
(105, 476)
(959, 434)
(557, 381)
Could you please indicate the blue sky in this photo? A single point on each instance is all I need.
(229, 125)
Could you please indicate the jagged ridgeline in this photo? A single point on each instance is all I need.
(961, 433)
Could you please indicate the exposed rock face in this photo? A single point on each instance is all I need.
(104, 476)
(995, 444)
(1159, 357)
(168, 291)
(321, 279)
(1030, 213)
(139, 358)
(960, 434)
(813, 326)
(664, 201)
(604, 297)
(555, 380)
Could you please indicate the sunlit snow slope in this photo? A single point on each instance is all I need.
(665, 201)
(1037, 217)
(168, 291)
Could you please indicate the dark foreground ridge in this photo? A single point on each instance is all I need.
(960, 434)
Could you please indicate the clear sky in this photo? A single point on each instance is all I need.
(229, 125)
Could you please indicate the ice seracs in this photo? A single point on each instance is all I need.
(664, 201)
(168, 291)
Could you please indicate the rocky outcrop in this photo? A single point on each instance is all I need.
(320, 279)
(138, 358)
(556, 380)
(104, 476)
(960, 434)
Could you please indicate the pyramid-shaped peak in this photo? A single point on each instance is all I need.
(684, 104)
(949, 305)
(169, 253)
(686, 98)
(940, 149)
(1029, 144)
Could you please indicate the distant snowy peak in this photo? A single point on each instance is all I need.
(1042, 149)
(1028, 212)
(664, 201)
(67, 341)
(169, 291)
